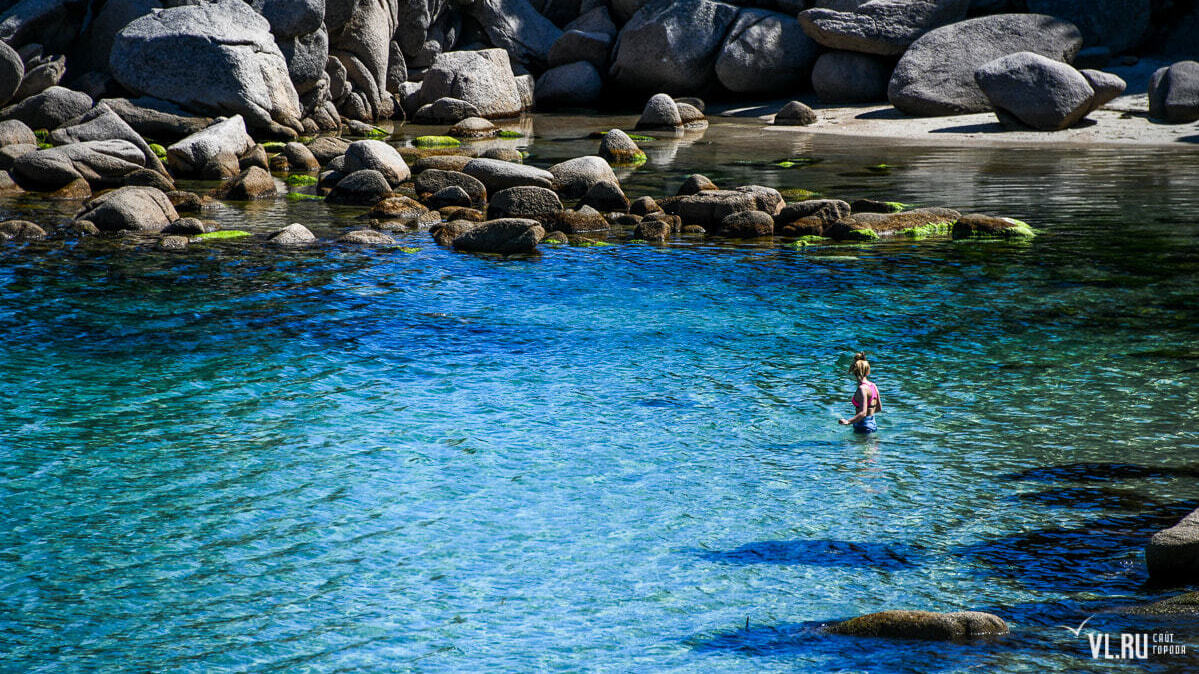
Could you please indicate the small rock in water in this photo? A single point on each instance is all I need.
(606, 196)
(360, 188)
(795, 114)
(187, 227)
(747, 225)
(505, 236)
(573, 177)
(618, 148)
(294, 234)
(524, 201)
(21, 230)
(502, 153)
(445, 111)
(977, 226)
(367, 237)
(584, 219)
(644, 206)
(661, 112)
(252, 183)
(473, 127)
(656, 231)
(694, 184)
(451, 195)
(173, 243)
(925, 625)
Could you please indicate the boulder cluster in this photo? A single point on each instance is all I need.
(296, 67)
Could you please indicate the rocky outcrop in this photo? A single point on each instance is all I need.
(765, 52)
(513, 25)
(672, 46)
(12, 71)
(1041, 93)
(883, 27)
(1173, 554)
(139, 209)
(101, 123)
(360, 35)
(102, 163)
(482, 78)
(213, 58)
(505, 236)
(925, 625)
(49, 109)
(936, 74)
(1174, 93)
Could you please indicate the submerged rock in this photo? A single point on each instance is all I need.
(978, 226)
(916, 223)
(746, 225)
(445, 233)
(21, 230)
(925, 625)
(473, 127)
(709, 208)
(1173, 554)
(936, 74)
(365, 187)
(1181, 605)
(367, 237)
(506, 236)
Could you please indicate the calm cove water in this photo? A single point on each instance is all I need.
(620, 458)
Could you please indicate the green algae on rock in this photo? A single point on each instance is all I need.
(924, 231)
(222, 234)
(509, 134)
(301, 179)
(435, 141)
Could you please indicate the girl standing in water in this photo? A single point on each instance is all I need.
(865, 399)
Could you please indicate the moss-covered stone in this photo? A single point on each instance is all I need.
(890, 224)
(924, 231)
(435, 141)
(158, 150)
(301, 179)
(300, 196)
(509, 134)
(978, 226)
(809, 240)
(272, 146)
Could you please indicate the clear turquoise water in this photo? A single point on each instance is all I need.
(618, 459)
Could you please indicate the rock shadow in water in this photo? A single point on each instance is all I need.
(1098, 499)
(1102, 555)
(1102, 472)
(822, 552)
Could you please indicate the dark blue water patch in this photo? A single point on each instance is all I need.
(1104, 472)
(822, 552)
(1101, 555)
(806, 642)
(1096, 499)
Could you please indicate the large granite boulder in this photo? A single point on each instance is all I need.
(573, 177)
(672, 46)
(139, 209)
(16, 132)
(578, 45)
(215, 58)
(883, 27)
(212, 152)
(12, 71)
(101, 123)
(432, 181)
(765, 52)
(575, 84)
(41, 73)
(1173, 554)
(482, 78)
(851, 77)
(936, 74)
(378, 156)
(536, 203)
(102, 163)
(1174, 93)
(1120, 25)
(1044, 94)
(517, 28)
(54, 24)
(49, 109)
(365, 187)
(506, 236)
(925, 625)
(156, 118)
(496, 174)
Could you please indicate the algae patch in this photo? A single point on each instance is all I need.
(924, 231)
(222, 234)
(435, 141)
(301, 179)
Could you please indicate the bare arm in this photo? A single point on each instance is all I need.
(861, 395)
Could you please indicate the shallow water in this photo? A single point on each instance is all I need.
(621, 458)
